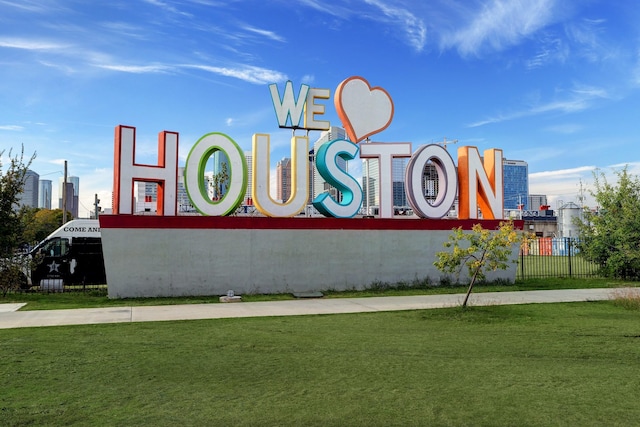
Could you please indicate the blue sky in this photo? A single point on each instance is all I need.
(553, 82)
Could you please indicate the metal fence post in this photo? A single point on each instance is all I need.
(568, 240)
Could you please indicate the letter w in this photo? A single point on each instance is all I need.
(288, 108)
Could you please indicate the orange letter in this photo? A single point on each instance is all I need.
(480, 186)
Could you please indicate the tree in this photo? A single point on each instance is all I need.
(481, 250)
(39, 223)
(11, 185)
(609, 236)
(221, 181)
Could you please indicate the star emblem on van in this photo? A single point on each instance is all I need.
(53, 267)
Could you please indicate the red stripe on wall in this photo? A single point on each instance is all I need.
(296, 223)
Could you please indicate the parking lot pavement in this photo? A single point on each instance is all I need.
(11, 318)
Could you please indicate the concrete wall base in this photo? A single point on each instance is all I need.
(181, 256)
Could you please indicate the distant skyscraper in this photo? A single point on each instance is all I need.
(370, 184)
(319, 184)
(516, 184)
(29, 195)
(70, 204)
(537, 200)
(184, 203)
(147, 197)
(283, 173)
(430, 182)
(208, 184)
(73, 184)
(398, 167)
(44, 194)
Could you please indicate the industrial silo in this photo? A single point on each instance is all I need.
(568, 214)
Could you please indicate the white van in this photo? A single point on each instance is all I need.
(71, 255)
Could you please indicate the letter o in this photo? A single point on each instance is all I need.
(195, 168)
(447, 179)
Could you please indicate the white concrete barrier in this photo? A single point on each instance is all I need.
(149, 256)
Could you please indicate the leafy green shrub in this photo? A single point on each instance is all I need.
(609, 236)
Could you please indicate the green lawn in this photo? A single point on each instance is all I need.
(551, 364)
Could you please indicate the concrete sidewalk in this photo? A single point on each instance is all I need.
(85, 316)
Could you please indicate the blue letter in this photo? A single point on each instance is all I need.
(326, 162)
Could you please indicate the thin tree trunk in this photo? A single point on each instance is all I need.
(473, 280)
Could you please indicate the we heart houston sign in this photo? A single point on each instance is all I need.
(364, 111)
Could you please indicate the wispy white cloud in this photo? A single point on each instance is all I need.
(25, 5)
(551, 49)
(562, 106)
(499, 25)
(11, 127)
(584, 39)
(401, 19)
(308, 79)
(575, 184)
(65, 68)
(590, 91)
(264, 33)
(413, 26)
(563, 173)
(59, 162)
(580, 98)
(563, 185)
(76, 57)
(321, 6)
(31, 44)
(631, 166)
(136, 69)
(125, 29)
(167, 7)
(586, 35)
(248, 73)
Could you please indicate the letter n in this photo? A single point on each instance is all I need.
(480, 183)
(127, 171)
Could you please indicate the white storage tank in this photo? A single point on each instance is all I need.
(568, 213)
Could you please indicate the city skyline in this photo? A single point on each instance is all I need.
(553, 83)
(515, 176)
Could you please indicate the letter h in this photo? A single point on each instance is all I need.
(127, 171)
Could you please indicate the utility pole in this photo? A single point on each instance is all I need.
(64, 195)
(96, 206)
(581, 196)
